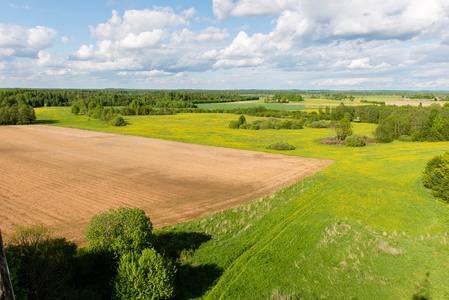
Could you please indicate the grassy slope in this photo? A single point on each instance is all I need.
(364, 227)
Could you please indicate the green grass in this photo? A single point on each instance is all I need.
(307, 104)
(363, 228)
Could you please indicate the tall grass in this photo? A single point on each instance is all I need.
(363, 228)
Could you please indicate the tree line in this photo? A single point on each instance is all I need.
(408, 123)
(17, 115)
(112, 97)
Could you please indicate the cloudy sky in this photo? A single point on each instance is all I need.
(225, 44)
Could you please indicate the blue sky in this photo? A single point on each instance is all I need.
(225, 44)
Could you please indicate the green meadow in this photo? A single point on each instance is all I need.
(364, 228)
(308, 103)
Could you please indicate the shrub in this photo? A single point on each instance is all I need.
(330, 141)
(355, 140)
(241, 120)
(343, 129)
(144, 276)
(118, 121)
(436, 176)
(319, 124)
(405, 138)
(234, 124)
(119, 231)
(281, 146)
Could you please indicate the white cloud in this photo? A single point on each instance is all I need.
(222, 8)
(244, 51)
(144, 39)
(347, 42)
(137, 22)
(259, 7)
(84, 53)
(45, 59)
(361, 63)
(22, 41)
(345, 82)
(208, 35)
(152, 73)
(189, 13)
(212, 35)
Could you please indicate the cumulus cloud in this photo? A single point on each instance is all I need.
(189, 13)
(344, 43)
(22, 41)
(208, 35)
(361, 63)
(244, 51)
(84, 53)
(46, 59)
(142, 40)
(224, 9)
(137, 22)
(345, 19)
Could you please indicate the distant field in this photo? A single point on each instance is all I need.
(363, 228)
(253, 103)
(313, 104)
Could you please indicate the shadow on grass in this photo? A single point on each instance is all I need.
(195, 281)
(192, 280)
(174, 245)
(45, 122)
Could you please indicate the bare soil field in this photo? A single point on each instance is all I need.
(61, 177)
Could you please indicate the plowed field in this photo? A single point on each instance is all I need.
(61, 177)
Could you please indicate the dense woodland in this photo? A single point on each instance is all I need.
(39, 98)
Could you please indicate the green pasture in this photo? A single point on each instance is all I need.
(364, 228)
(308, 103)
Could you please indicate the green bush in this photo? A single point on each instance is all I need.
(119, 231)
(405, 138)
(343, 129)
(144, 276)
(436, 176)
(319, 124)
(355, 140)
(241, 120)
(118, 121)
(234, 124)
(281, 146)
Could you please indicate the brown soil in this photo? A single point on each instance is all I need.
(61, 177)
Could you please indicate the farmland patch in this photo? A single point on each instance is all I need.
(62, 176)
